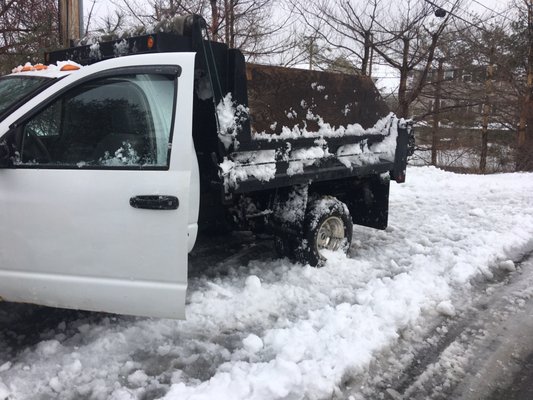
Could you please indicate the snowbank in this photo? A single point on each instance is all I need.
(275, 330)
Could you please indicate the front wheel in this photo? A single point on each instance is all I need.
(327, 227)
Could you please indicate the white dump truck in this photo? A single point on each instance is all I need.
(112, 163)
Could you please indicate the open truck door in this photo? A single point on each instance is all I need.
(99, 201)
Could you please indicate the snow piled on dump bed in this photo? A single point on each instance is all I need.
(271, 329)
(261, 164)
(326, 130)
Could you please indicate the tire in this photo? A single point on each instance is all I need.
(327, 226)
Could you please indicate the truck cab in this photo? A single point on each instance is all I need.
(100, 185)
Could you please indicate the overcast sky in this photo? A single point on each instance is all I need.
(387, 77)
(481, 7)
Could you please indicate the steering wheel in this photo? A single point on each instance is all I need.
(36, 144)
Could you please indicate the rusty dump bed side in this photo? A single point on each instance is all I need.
(286, 95)
(303, 118)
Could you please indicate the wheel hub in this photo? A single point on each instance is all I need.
(330, 234)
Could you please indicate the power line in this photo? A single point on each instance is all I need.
(495, 14)
(458, 17)
(500, 14)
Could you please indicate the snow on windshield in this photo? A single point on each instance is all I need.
(270, 329)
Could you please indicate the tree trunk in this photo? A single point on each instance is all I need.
(214, 18)
(227, 19)
(371, 55)
(231, 22)
(436, 113)
(524, 158)
(486, 113)
(366, 53)
(403, 100)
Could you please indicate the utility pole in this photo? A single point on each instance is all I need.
(70, 21)
(436, 112)
(486, 112)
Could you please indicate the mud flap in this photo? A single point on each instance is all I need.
(404, 148)
(368, 202)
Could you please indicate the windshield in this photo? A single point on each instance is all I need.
(15, 88)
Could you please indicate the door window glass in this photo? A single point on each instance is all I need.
(121, 121)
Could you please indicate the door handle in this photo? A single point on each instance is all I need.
(155, 202)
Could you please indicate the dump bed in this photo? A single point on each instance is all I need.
(258, 127)
(309, 126)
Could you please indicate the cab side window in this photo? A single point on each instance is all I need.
(122, 121)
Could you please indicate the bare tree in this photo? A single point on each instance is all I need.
(407, 41)
(404, 35)
(27, 29)
(249, 25)
(345, 27)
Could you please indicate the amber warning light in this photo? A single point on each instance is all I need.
(150, 42)
(69, 67)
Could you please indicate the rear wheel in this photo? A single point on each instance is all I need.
(327, 227)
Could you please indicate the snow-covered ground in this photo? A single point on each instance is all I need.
(270, 329)
(499, 158)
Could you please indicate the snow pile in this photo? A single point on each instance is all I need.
(230, 117)
(275, 330)
(124, 155)
(94, 51)
(260, 165)
(301, 158)
(121, 48)
(325, 130)
(242, 166)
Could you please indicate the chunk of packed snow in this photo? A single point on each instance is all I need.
(48, 347)
(253, 283)
(478, 212)
(55, 384)
(508, 265)
(252, 343)
(138, 378)
(446, 308)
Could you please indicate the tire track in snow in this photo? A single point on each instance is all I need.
(452, 356)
